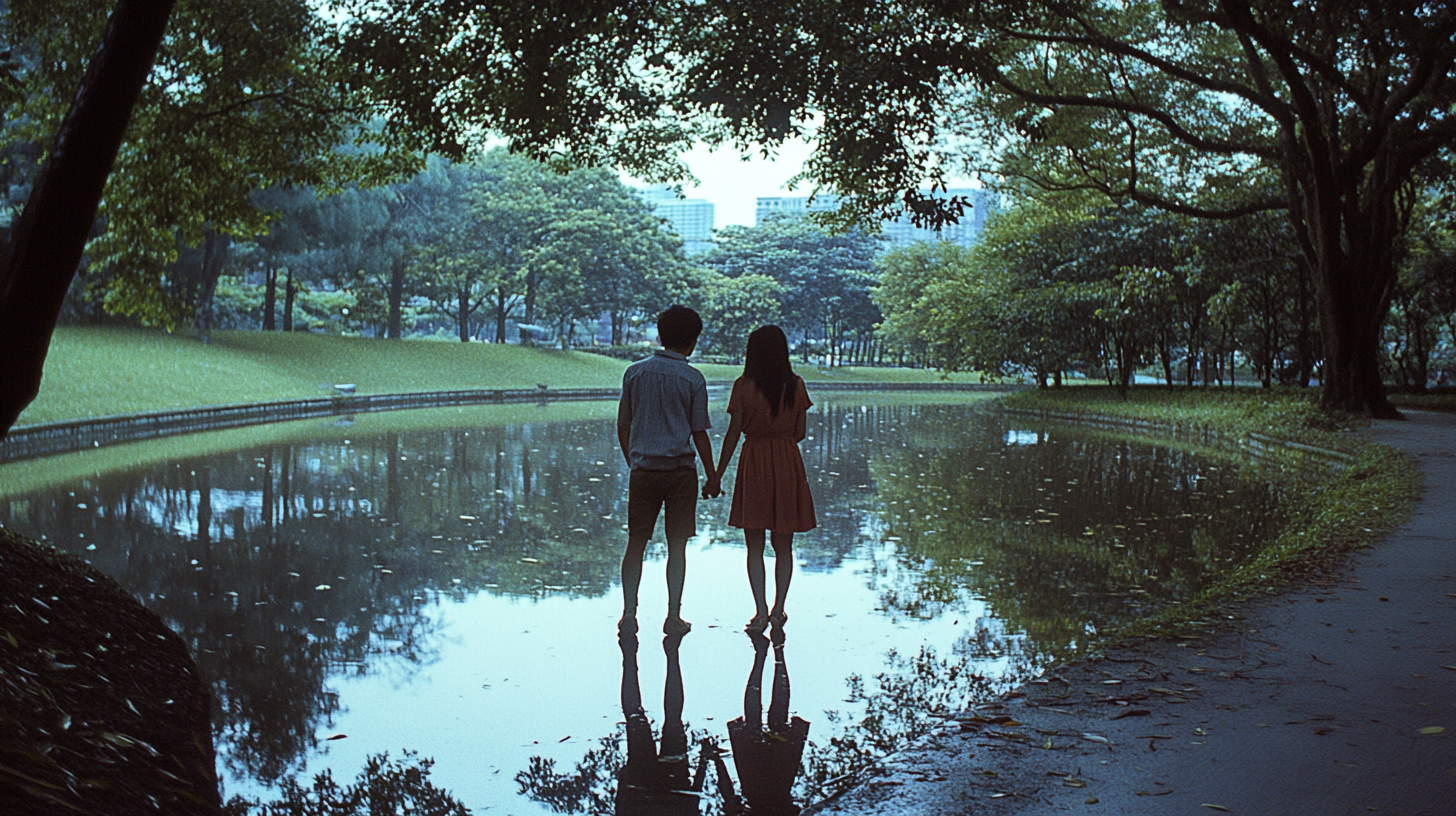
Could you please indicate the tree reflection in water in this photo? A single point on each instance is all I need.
(286, 565)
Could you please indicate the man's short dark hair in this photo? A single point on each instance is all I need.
(678, 327)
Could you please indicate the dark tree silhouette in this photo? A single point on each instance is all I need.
(49, 236)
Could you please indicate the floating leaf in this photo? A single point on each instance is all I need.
(1434, 729)
(322, 587)
(336, 737)
(1216, 807)
(1130, 712)
(1096, 738)
(1091, 800)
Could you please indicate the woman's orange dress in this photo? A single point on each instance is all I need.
(771, 491)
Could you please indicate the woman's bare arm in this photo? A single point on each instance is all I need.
(730, 443)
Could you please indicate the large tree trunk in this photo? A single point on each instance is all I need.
(214, 253)
(270, 299)
(462, 312)
(533, 286)
(501, 310)
(1352, 248)
(50, 235)
(289, 290)
(396, 300)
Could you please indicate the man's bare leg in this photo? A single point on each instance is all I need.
(631, 581)
(677, 564)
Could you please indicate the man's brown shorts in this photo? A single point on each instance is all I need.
(649, 490)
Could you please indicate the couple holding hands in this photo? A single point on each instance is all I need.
(662, 422)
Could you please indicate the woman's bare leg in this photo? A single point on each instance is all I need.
(783, 545)
(756, 576)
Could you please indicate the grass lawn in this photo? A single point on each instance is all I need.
(102, 371)
(96, 372)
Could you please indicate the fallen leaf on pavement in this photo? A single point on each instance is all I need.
(1434, 729)
(1131, 712)
(1216, 807)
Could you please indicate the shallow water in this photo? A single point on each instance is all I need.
(451, 588)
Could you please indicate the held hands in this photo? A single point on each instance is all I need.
(713, 488)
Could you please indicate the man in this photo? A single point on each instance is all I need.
(661, 418)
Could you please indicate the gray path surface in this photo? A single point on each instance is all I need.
(1311, 702)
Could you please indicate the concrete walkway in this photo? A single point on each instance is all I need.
(1326, 699)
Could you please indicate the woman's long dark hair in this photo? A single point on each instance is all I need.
(766, 363)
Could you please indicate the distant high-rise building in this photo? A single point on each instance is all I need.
(792, 206)
(897, 233)
(691, 218)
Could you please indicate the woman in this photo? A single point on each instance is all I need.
(771, 491)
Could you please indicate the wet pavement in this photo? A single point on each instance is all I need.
(1335, 697)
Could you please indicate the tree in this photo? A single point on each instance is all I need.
(906, 274)
(1219, 108)
(47, 240)
(241, 99)
(825, 279)
(736, 307)
(1424, 303)
(1026, 299)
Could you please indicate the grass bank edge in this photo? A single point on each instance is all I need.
(1323, 520)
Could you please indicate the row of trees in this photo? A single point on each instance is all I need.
(1104, 289)
(1218, 110)
(474, 248)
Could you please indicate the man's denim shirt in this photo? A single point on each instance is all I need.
(664, 400)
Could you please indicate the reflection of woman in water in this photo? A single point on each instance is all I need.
(656, 781)
(767, 759)
(771, 492)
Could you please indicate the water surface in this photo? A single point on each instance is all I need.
(446, 581)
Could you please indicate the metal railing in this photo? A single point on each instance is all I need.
(45, 439)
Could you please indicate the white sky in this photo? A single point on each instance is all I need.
(734, 185)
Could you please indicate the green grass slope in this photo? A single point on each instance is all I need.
(96, 371)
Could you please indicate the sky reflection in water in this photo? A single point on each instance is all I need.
(450, 586)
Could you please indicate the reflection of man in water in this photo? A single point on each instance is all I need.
(656, 780)
(767, 759)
